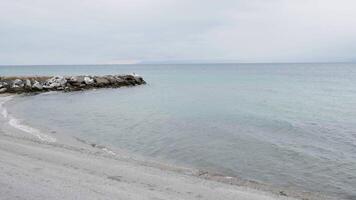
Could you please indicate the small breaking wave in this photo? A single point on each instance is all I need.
(3, 110)
(15, 123)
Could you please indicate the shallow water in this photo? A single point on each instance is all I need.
(290, 125)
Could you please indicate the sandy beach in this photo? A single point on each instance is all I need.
(33, 169)
(178, 99)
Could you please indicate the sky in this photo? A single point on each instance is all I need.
(149, 31)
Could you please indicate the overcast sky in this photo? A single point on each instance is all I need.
(129, 31)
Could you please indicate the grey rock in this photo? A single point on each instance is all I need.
(55, 82)
(2, 90)
(28, 83)
(37, 85)
(138, 79)
(101, 81)
(80, 79)
(3, 84)
(76, 80)
(73, 79)
(61, 80)
(17, 83)
(111, 79)
(72, 83)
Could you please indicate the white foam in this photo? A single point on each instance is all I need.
(135, 75)
(3, 110)
(15, 123)
(109, 151)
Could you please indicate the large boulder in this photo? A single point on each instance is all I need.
(28, 84)
(37, 86)
(101, 81)
(88, 80)
(119, 81)
(111, 79)
(3, 84)
(76, 80)
(130, 79)
(55, 82)
(17, 83)
(2, 90)
(138, 79)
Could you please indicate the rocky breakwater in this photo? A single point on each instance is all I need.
(27, 84)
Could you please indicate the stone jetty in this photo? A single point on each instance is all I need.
(28, 84)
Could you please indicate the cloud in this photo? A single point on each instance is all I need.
(91, 31)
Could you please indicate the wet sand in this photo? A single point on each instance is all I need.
(33, 169)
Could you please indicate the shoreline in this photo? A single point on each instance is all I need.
(229, 187)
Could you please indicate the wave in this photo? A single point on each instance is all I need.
(3, 110)
(16, 123)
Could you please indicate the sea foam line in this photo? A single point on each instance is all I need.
(3, 110)
(15, 123)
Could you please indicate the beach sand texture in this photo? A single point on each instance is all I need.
(31, 169)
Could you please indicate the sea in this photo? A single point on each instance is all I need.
(284, 124)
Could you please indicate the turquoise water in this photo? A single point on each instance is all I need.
(289, 125)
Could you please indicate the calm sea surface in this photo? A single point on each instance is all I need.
(290, 125)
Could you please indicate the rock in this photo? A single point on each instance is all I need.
(2, 90)
(17, 88)
(130, 79)
(282, 193)
(62, 81)
(76, 80)
(51, 85)
(73, 79)
(111, 79)
(138, 79)
(72, 83)
(88, 80)
(3, 84)
(28, 83)
(119, 81)
(55, 82)
(80, 79)
(37, 86)
(101, 81)
(17, 83)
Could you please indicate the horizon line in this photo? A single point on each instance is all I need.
(181, 63)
